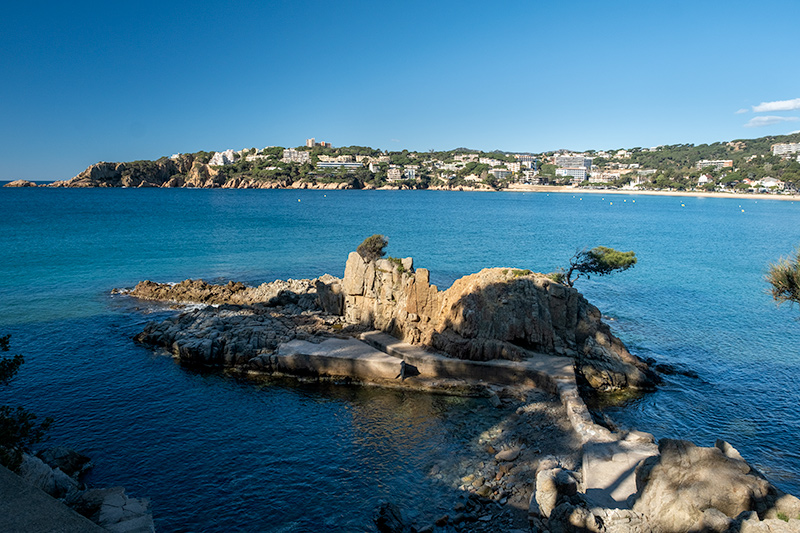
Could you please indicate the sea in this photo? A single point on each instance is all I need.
(217, 453)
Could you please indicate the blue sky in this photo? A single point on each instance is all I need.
(83, 81)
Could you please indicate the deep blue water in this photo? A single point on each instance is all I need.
(217, 454)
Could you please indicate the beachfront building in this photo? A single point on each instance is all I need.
(525, 160)
(604, 177)
(500, 173)
(577, 173)
(770, 183)
(573, 161)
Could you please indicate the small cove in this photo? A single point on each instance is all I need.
(210, 450)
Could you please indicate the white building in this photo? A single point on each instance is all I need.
(785, 149)
(290, 155)
(394, 174)
(604, 177)
(500, 174)
(573, 161)
(769, 183)
(717, 164)
(222, 158)
(578, 173)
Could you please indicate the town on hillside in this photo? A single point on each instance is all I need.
(766, 165)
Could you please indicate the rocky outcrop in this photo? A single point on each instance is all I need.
(181, 171)
(235, 293)
(57, 472)
(498, 313)
(20, 183)
(114, 511)
(131, 174)
(686, 486)
(247, 324)
(684, 489)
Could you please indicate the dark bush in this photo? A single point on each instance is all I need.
(372, 247)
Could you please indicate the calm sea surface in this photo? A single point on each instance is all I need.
(217, 454)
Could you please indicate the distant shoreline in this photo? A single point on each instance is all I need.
(522, 188)
(696, 194)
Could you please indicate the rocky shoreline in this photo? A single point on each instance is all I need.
(59, 471)
(457, 340)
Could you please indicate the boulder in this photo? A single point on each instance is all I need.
(552, 486)
(50, 480)
(687, 487)
(113, 510)
(388, 519)
(68, 461)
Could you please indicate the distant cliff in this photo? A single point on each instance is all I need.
(182, 171)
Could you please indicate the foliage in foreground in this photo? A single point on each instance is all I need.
(784, 276)
(373, 247)
(599, 261)
(18, 428)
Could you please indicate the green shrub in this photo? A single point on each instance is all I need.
(784, 276)
(373, 247)
(398, 262)
(18, 429)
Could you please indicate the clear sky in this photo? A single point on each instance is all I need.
(82, 82)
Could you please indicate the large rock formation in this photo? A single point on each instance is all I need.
(20, 183)
(498, 313)
(183, 170)
(686, 486)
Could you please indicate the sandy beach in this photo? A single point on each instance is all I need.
(697, 194)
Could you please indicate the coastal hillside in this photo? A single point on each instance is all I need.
(766, 164)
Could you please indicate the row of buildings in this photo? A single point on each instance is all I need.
(574, 168)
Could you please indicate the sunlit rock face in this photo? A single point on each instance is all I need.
(497, 313)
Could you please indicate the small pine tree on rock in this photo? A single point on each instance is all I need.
(373, 247)
(784, 276)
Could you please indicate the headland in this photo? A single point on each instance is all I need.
(509, 334)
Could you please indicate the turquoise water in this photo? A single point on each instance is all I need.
(214, 453)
